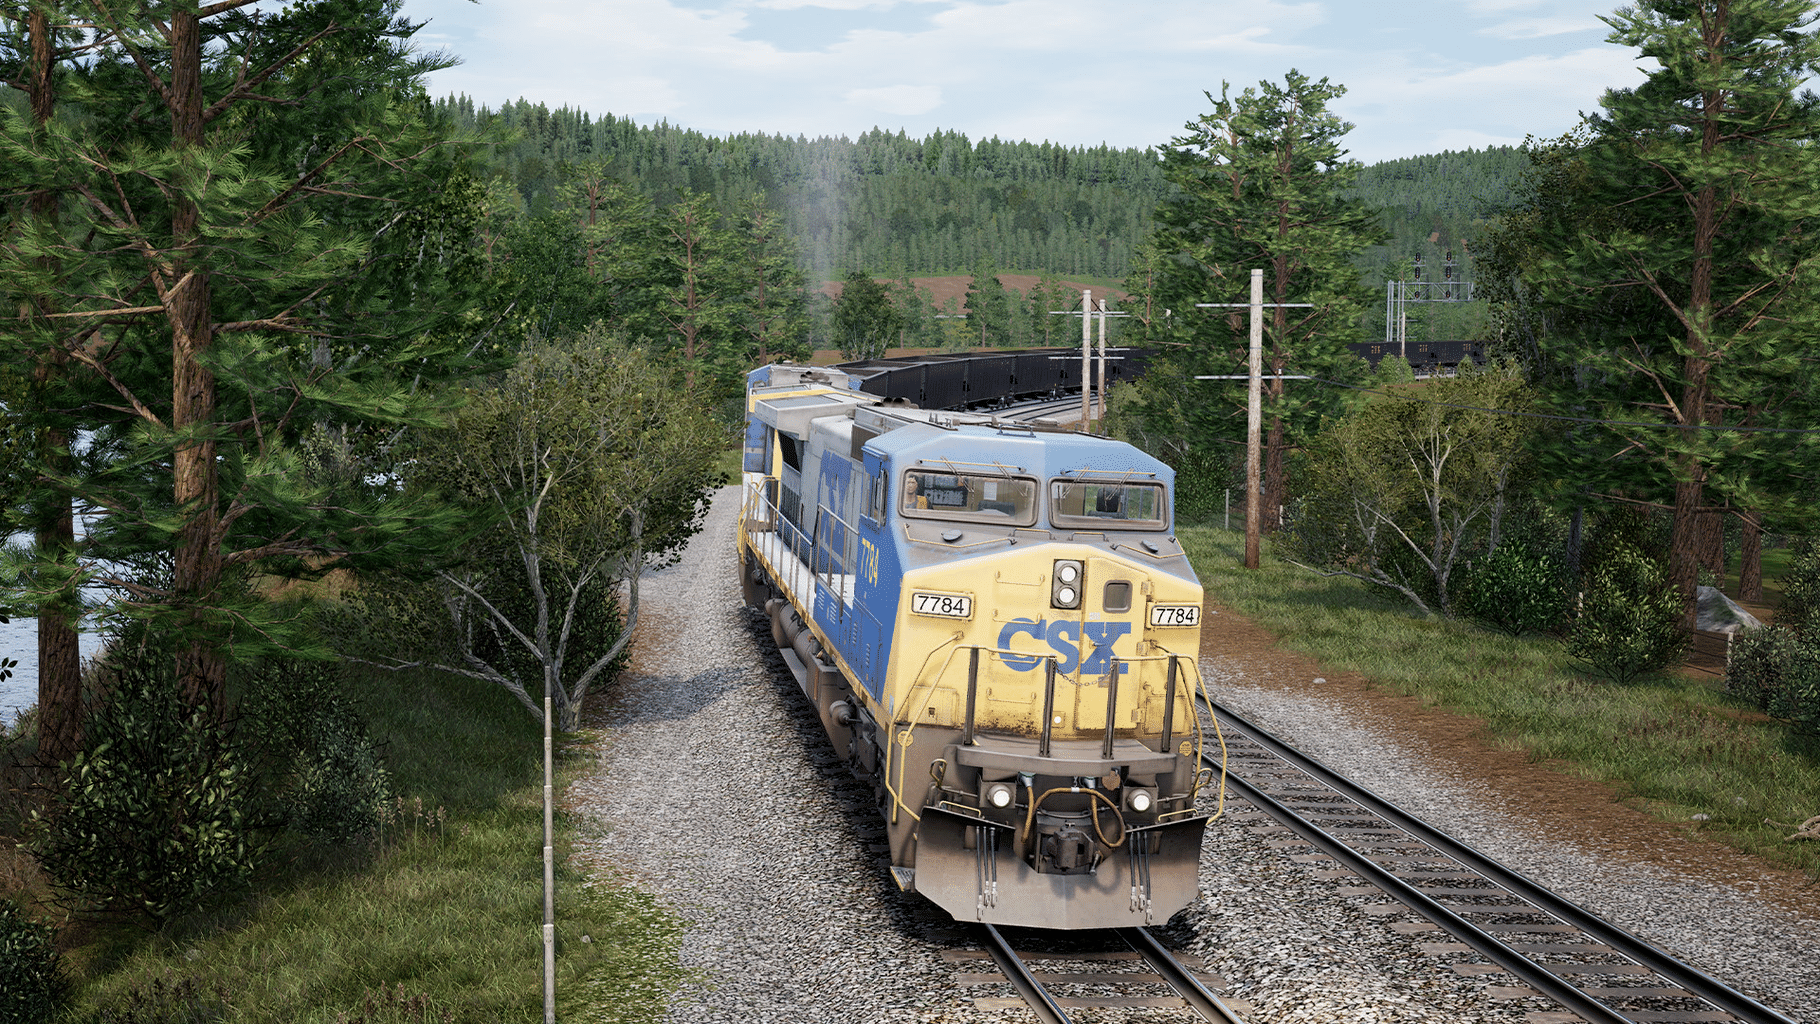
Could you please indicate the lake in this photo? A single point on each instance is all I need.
(19, 641)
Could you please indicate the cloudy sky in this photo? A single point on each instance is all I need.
(1421, 76)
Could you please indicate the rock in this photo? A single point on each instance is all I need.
(1721, 614)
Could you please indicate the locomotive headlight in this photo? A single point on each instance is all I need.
(1066, 589)
(998, 794)
(1140, 800)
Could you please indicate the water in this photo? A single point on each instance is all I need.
(19, 641)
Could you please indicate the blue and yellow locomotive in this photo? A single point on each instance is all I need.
(1000, 631)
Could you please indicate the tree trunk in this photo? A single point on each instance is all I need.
(201, 667)
(1273, 476)
(1712, 544)
(1684, 545)
(59, 657)
(1750, 568)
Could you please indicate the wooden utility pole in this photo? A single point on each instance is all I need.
(549, 869)
(1254, 412)
(1254, 419)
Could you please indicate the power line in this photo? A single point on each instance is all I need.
(1569, 419)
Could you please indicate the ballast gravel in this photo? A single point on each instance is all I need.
(716, 791)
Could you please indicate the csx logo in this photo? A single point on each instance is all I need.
(1064, 636)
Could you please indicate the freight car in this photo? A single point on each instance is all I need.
(999, 630)
(987, 379)
(1425, 357)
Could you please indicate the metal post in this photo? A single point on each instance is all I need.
(1403, 320)
(549, 872)
(973, 686)
(1086, 355)
(1169, 710)
(1112, 707)
(1102, 398)
(1228, 508)
(1042, 749)
(1254, 417)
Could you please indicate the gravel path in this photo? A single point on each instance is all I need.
(717, 791)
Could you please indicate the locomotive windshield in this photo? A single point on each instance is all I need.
(1108, 504)
(1006, 500)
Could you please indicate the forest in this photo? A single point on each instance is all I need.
(895, 208)
(891, 205)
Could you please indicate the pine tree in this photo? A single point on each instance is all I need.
(1668, 264)
(865, 321)
(1263, 183)
(988, 307)
(773, 314)
(269, 241)
(36, 43)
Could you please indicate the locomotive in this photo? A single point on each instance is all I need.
(999, 630)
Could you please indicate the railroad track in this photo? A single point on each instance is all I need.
(1551, 948)
(1117, 969)
(1042, 407)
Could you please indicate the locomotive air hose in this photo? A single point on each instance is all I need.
(1030, 816)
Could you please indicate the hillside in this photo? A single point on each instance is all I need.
(889, 204)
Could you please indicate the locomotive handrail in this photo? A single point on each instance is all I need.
(850, 538)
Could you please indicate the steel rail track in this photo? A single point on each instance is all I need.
(1677, 975)
(1164, 965)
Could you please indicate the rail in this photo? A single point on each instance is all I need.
(1537, 975)
(1165, 970)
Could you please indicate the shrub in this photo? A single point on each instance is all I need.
(169, 999)
(323, 774)
(1516, 591)
(1629, 620)
(1778, 671)
(1801, 588)
(31, 977)
(150, 817)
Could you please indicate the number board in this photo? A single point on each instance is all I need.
(1175, 615)
(948, 606)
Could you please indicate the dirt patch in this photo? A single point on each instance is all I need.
(1582, 812)
(954, 286)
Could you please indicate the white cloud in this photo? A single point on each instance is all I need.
(898, 99)
(1537, 28)
(1072, 71)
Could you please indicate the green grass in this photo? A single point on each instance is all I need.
(444, 915)
(1669, 744)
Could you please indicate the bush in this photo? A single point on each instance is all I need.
(31, 977)
(150, 818)
(1516, 591)
(1778, 671)
(1629, 620)
(324, 776)
(1801, 589)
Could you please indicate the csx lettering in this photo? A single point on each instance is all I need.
(1064, 637)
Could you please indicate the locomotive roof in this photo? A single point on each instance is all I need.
(971, 447)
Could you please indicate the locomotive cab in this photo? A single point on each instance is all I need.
(1000, 631)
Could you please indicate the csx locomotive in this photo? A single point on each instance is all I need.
(999, 630)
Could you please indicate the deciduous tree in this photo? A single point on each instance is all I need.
(594, 464)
